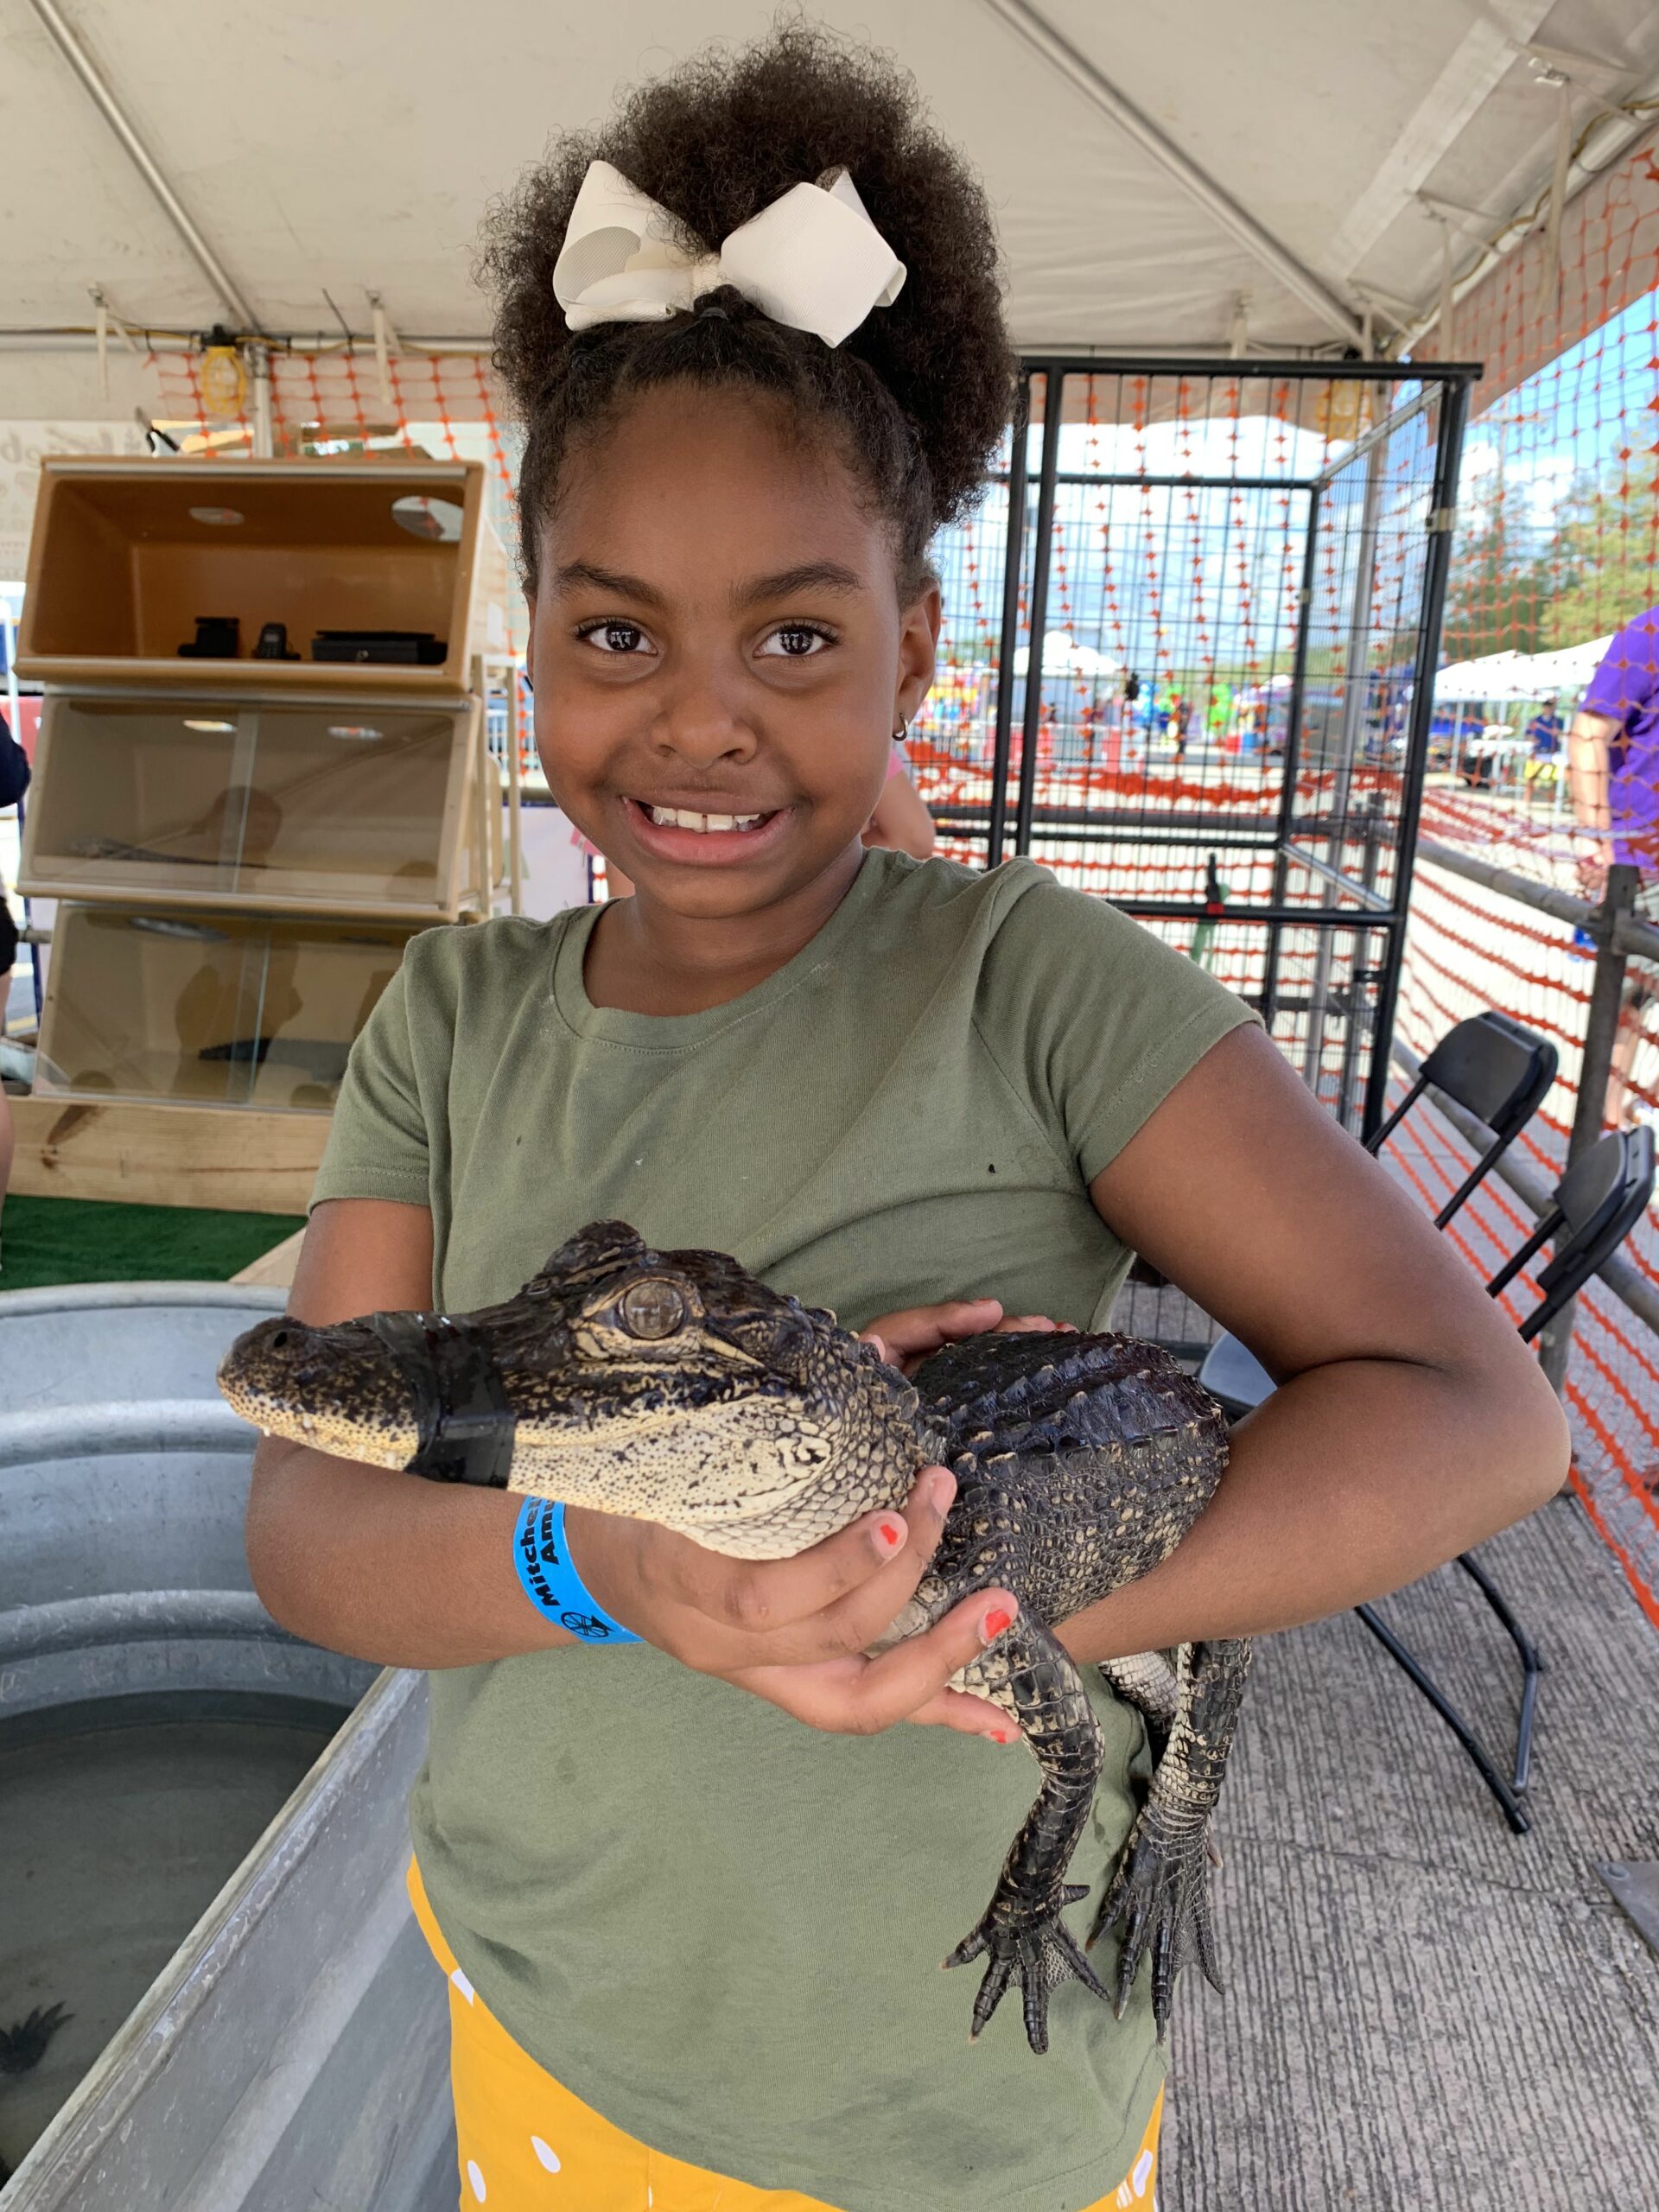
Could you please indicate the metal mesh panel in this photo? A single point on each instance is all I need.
(1198, 689)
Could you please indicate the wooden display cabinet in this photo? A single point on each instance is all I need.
(220, 1009)
(127, 554)
(369, 807)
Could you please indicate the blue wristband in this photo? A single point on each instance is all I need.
(551, 1583)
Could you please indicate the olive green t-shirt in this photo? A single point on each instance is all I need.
(717, 1926)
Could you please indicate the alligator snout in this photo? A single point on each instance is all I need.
(337, 1387)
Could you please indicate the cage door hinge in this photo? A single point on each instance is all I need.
(1442, 519)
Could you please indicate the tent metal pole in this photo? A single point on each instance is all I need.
(1237, 221)
(1286, 828)
(1013, 569)
(1037, 620)
(264, 445)
(103, 97)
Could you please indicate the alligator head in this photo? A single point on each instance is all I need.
(671, 1386)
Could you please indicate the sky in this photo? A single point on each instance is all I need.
(1574, 418)
(1152, 574)
(1175, 577)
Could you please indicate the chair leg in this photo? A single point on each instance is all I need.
(1513, 1813)
(1531, 1664)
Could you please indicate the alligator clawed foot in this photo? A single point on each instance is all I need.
(1036, 1947)
(1161, 1893)
(23, 2044)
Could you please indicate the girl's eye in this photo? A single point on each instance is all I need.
(797, 640)
(611, 635)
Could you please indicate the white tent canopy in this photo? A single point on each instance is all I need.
(1520, 676)
(1193, 176)
(1491, 677)
(1064, 656)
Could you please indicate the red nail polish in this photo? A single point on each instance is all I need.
(994, 1622)
(889, 1534)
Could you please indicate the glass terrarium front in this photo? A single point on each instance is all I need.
(343, 804)
(209, 1009)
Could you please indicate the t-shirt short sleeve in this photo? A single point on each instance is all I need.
(1101, 1018)
(378, 1144)
(1627, 675)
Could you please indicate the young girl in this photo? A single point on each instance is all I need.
(691, 1893)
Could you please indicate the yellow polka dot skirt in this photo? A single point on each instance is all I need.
(527, 2145)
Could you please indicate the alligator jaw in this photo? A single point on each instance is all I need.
(719, 1474)
(337, 1389)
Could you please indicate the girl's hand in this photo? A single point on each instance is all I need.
(795, 1632)
(1594, 861)
(905, 1339)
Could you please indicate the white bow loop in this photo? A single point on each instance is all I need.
(813, 259)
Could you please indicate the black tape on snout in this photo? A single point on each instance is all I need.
(466, 1425)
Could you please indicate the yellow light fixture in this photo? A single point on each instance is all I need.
(222, 381)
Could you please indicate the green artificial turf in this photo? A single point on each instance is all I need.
(85, 1240)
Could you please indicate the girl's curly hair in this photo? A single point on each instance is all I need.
(920, 392)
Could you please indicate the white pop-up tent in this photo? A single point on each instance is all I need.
(1064, 656)
(1561, 674)
(1492, 676)
(1193, 176)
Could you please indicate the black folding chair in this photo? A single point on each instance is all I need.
(1491, 1067)
(1499, 1071)
(1595, 1206)
(1494, 1069)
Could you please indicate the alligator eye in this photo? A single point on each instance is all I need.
(652, 1308)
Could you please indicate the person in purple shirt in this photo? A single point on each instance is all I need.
(1613, 756)
(1613, 778)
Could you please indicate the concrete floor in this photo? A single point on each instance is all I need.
(1426, 2013)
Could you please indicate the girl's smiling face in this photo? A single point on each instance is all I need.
(717, 634)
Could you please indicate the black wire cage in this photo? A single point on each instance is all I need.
(1195, 673)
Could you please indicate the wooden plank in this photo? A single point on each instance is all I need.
(233, 1159)
(275, 1268)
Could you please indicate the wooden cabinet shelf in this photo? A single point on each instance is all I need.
(369, 807)
(226, 1009)
(128, 554)
(244, 844)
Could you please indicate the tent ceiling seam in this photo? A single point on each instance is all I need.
(1484, 55)
(1040, 33)
(1513, 230)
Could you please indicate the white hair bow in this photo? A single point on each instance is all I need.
(812, 259)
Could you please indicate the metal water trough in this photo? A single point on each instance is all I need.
(292, 2051)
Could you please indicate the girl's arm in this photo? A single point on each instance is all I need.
(415, 1574)
(1411, 1421)
(361, 1559)
(1588, 771)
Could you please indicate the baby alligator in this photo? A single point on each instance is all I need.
(675, 1386)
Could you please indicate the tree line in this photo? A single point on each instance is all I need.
(1518, 586)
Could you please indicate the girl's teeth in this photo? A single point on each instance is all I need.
(677, 817)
